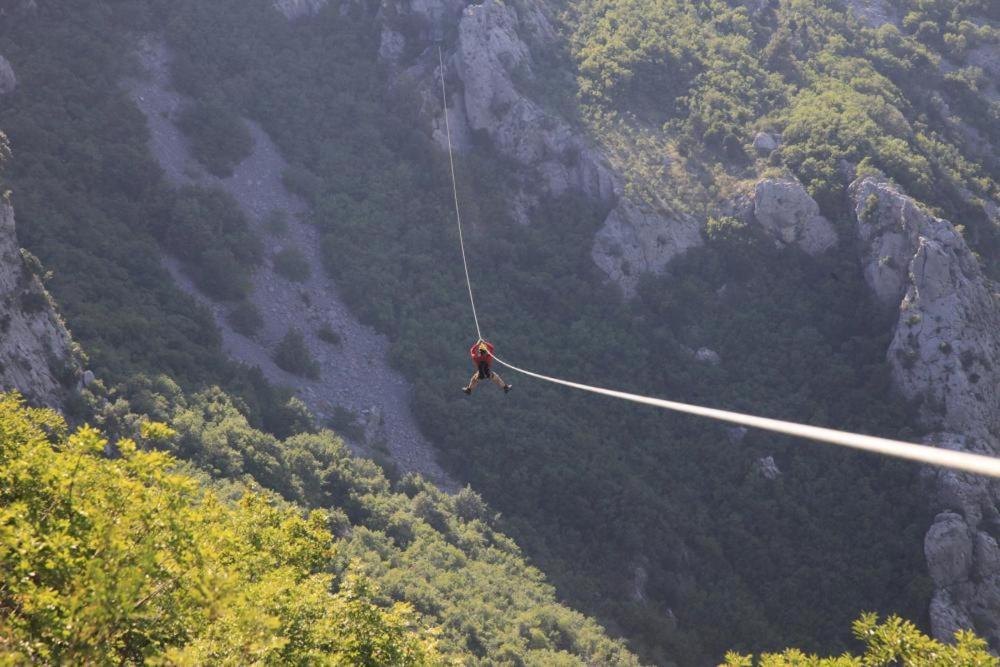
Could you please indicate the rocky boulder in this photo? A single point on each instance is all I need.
(708, 356)
(8, 82)
(36, 355)
(873, 13)
(948, 550)
(789, 215)
(764, 143)
(296, 9)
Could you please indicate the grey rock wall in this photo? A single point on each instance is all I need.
(945, 355)
(35, 348)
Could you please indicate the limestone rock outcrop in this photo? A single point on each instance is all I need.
(764, 143)
(296, 9)
(635, 240)
(784, 209)
(8, 81)
(945, 355)
(767, 468)
(708, 356)
(36, 356)
(488, 66)
(873, 13)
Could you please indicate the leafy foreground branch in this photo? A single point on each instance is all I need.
(895, 642)
(121, 560)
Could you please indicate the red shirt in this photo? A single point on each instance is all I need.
(474, 353)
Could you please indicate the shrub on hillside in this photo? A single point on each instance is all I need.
(245, 318)
(219, 138)
(290, 263)
(894, 642)
(293, 355)
(276, 223)
(328, 334)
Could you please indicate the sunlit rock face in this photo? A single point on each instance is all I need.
(784, 211)
(296, 9)
(35, 348)
(789, 215)
(945, 355)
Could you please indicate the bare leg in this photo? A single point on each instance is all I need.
(497, 380)
(474, 381)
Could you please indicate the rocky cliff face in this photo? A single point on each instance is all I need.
(35, 349)
(486, 67)
(945, 354)
(8, 82)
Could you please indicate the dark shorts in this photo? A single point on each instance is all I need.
(484, 371)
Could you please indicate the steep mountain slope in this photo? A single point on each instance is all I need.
(694, 157)
(352, 371)
(198, 576)
(601, 495)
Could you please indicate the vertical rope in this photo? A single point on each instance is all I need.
(454, 190)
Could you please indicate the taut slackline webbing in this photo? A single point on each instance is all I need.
(945, 458)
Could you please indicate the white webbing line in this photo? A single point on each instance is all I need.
(454, 189)
(946, 458)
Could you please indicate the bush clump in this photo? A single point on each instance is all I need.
(206, 229)
(293, 355)
(245, 318)
(292, 264)
(328, 334)
(219, 139)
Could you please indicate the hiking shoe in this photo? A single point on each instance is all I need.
(467, 390)
(507, 388)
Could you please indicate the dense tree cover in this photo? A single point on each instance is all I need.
(710, 73)
(894, 642)
(657, 523)
(206, 229)
(126, 557)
